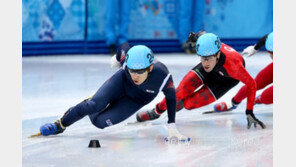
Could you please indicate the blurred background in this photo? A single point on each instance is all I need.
(57, 27)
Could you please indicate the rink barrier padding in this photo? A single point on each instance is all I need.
(100, 47)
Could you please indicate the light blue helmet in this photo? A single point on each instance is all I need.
(207, 44)
(269, 42)
(139, 57)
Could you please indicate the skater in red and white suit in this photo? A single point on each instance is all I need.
(263, 78)
(221, 69)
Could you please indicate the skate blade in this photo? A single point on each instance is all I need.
(136, 123)
(146, 123)
(213, 111)
(176, 141)
(208, 112)
(35, 135)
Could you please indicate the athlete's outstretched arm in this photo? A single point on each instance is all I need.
(261, 42)
(242, 75)
(170, 96)
(251, 50)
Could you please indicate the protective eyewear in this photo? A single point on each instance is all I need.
(207, 58)
(139, 72)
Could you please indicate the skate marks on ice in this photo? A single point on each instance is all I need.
(223, 138)
(214, 140)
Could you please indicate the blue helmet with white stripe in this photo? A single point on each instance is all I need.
(207, 44)
(139, 57)
(269, 42)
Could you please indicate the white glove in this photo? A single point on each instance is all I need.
(114, 63)
(249, 51)
(174, 134)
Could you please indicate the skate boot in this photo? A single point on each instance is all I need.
(52, 128)
(224, 106)
(147, 115)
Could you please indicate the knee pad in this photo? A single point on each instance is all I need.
(97, 123)
(86, 107)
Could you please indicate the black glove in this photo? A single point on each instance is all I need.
(253, 120)
(192, 38)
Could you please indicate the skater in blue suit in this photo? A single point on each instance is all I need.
(133, 86)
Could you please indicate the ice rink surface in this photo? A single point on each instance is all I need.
(52, 84)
